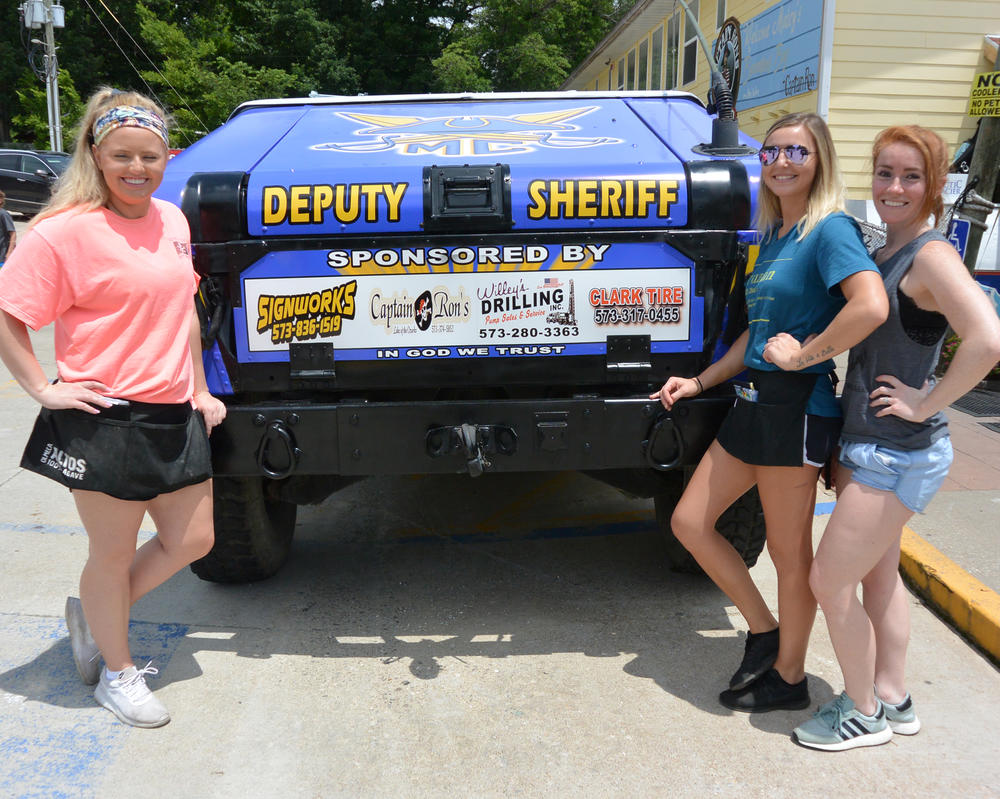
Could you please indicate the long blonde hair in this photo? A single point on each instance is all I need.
(82, 185)
(826, 195)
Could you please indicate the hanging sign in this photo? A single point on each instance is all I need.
(984, 99)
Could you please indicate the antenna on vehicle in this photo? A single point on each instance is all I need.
(725, 128)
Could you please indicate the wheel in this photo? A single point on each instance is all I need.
(253, 534)
(742, 525)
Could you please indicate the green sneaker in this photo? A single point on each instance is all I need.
(902, 718)
(838, 725)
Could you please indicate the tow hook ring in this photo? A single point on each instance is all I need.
(649, 445)
(277, 434)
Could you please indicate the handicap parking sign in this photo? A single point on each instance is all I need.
(958, 235)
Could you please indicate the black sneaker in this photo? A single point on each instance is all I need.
(758, 656)
(770, 692)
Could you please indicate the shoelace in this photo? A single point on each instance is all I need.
(833, 713)
(135, 687)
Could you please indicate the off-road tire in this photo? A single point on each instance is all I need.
(742, 525)
(253, 534)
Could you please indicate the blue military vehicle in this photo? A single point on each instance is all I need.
(445, 283)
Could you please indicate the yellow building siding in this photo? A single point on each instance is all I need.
(911, 62)
(892, 62)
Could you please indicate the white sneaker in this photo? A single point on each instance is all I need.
(129, 699)
(86, 655)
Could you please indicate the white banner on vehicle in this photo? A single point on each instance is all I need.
(465, 309)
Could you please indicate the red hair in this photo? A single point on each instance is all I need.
(934, 153)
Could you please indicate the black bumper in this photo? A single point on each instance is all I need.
(368, 438)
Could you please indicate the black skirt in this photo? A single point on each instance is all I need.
(135, 451)
(771, 430)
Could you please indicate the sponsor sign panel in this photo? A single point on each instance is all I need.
(531, 300)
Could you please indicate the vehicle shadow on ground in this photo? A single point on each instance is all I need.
(435, 571)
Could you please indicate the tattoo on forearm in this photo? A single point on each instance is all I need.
(822, 355)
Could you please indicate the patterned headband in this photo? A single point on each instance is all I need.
(129, 116)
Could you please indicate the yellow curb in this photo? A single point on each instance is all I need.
(971, 606)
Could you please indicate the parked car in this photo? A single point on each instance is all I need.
(26, 177)
(444, 283)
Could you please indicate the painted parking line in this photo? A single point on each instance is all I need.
(58, 529)
(55, 740)
(610, 528)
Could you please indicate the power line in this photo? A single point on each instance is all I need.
(150, 60)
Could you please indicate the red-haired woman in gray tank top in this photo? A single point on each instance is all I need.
(895, 448)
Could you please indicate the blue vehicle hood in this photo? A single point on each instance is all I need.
(357, 167)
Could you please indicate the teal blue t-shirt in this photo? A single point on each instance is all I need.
(794, 289)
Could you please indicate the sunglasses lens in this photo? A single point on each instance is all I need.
(795, 153)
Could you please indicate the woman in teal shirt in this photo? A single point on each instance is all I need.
(814, 293)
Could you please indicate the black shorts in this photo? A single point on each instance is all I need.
(773, 430)
(134, 452)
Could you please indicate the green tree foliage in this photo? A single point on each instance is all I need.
(197, 81)
(32, 118)
(392, 43)
(458, 69)
(204, 57)
(529, 45)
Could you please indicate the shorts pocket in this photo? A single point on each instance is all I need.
(162, 457)
(887, 461)
(765, 434)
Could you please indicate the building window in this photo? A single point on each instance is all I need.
(643, 78)
(630, 80)
(720, 14)
(656, 59)
(621, 74)
(672, 51)
(611, 77)
(690, 46)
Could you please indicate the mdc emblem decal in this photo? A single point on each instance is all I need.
(461, 136)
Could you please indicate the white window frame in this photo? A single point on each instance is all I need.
(642, 65)
(671, 60)
(656, 68)
(690, 45)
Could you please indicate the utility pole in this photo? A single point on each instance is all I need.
(48, 14)
(985, 165)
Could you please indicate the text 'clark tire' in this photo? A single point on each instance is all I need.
(253, 534)
(742, 525)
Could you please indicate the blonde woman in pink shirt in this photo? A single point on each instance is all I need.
(125, 424)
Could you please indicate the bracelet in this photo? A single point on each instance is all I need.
(701, 388)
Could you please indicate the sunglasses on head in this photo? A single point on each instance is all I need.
(795, 153)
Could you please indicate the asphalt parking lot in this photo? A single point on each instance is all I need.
(507, 636)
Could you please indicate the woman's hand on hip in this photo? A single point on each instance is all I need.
(899, 399)
(83, 396)
(212, 409)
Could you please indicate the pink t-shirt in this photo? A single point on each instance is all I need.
(120, 292)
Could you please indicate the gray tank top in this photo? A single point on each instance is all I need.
(890, 351)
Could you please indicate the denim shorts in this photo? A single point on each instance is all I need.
(914, 476)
